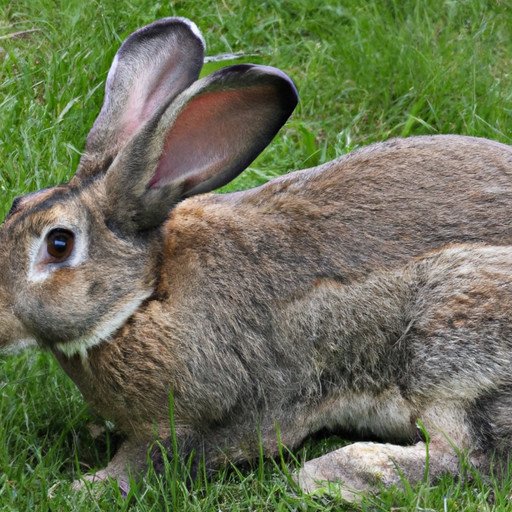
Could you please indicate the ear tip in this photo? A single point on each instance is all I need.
(257, 73)
(287, 85)
(162, 27)
(189, 24)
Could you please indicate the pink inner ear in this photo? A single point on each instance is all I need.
(213, 131)
(148, 93)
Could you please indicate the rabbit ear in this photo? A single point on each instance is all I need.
(207, 136)
(151, 68)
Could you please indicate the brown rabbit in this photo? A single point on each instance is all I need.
(295, 304)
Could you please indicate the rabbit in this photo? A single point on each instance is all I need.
(294, 306)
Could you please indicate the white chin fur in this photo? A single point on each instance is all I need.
(104, 330)
(17, 347)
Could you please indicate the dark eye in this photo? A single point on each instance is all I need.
(59, 244)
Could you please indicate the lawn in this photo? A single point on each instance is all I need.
(365, 70)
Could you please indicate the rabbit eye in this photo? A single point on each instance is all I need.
(59, 244)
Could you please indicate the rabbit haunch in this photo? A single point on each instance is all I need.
(279, 305)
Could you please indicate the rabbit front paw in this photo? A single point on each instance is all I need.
(88, 482)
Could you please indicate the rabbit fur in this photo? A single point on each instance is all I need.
(357, 296)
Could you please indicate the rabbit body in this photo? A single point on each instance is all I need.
(262, 318)
(248, 343)
(294, 306)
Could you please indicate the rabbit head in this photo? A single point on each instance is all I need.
(80, 258)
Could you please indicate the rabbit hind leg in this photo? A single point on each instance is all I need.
(364, 467)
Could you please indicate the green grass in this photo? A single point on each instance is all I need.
(365, 70)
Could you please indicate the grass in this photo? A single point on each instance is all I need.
(366, 71)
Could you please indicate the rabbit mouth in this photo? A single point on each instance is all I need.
(105, 329)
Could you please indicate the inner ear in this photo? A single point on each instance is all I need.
(213, 134)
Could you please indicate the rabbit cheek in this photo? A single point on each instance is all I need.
(58, 310)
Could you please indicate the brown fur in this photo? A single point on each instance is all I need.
(295, 305)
